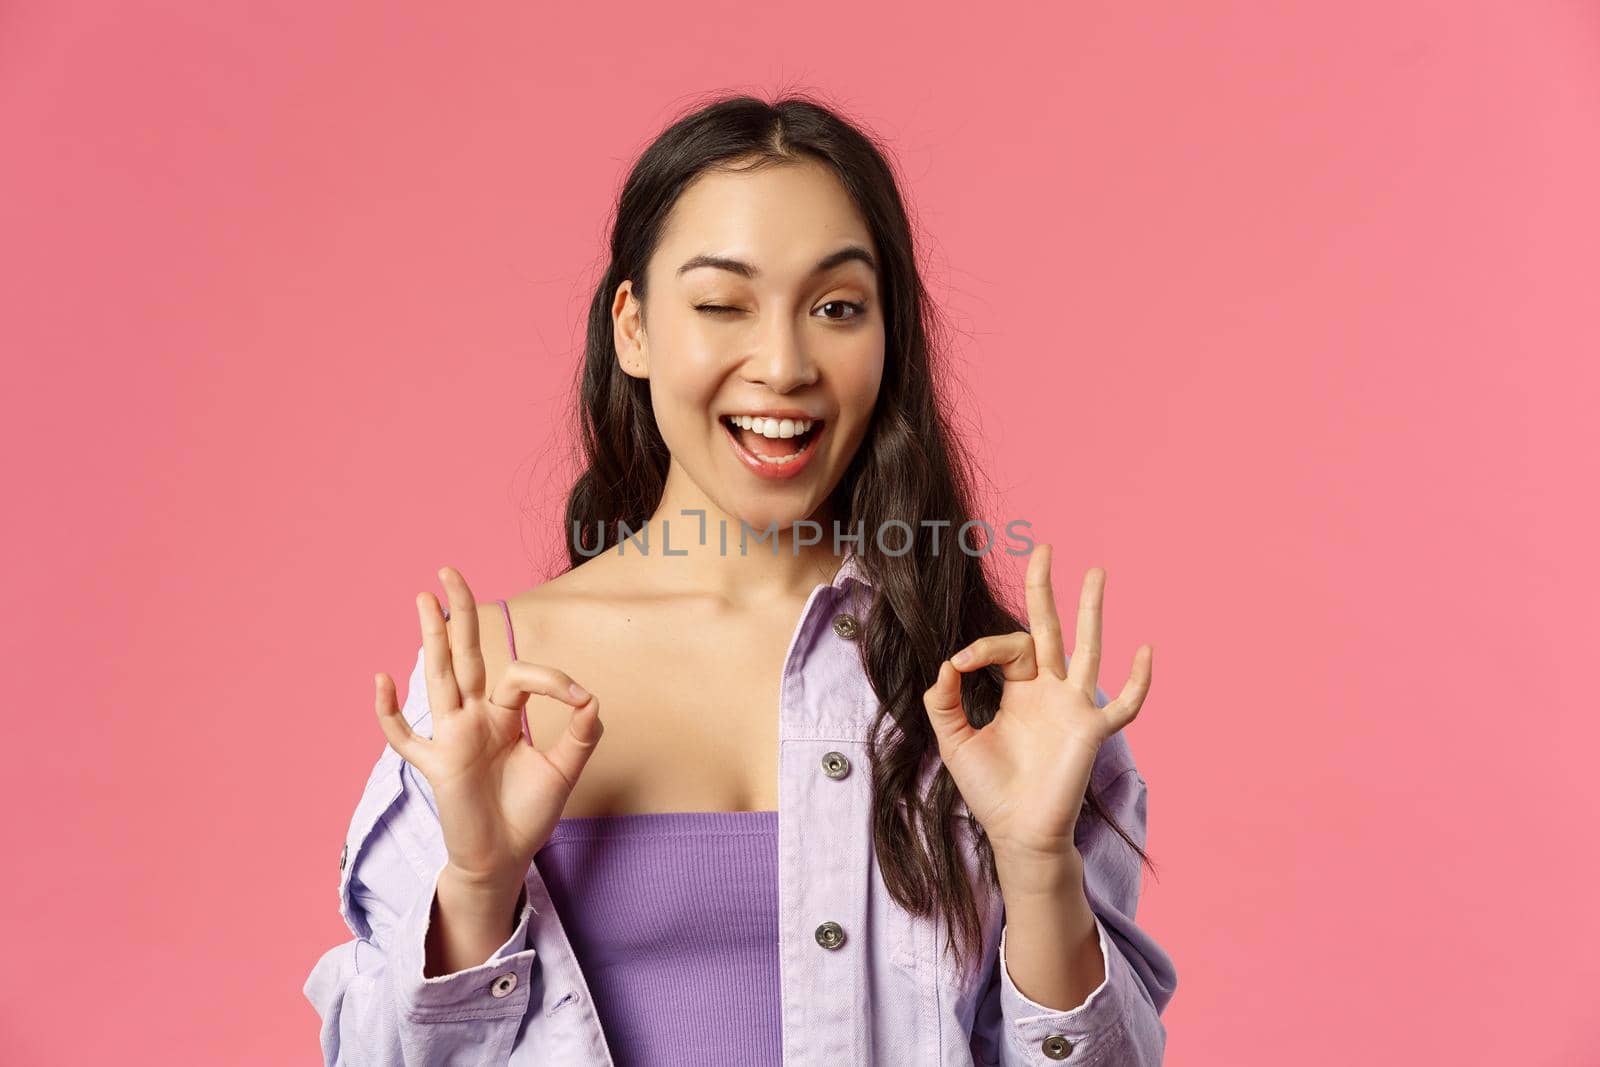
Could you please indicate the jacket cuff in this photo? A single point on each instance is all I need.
(497, 988)
(1093, 1032)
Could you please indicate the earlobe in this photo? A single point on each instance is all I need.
(630, 357)
(627, 331)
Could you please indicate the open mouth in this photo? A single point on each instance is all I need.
(771, 445)
(761, 444)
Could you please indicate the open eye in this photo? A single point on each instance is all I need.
(856, 309)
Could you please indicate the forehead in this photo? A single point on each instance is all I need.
(782, 218)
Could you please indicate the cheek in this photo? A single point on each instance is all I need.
(861, 375)
(684, 375)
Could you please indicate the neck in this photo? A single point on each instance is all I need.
(739, 564)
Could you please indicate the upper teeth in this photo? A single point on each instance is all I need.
(771, 427)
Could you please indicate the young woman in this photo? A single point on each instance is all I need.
(845, 807)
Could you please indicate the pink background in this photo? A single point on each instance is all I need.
(1279, 316)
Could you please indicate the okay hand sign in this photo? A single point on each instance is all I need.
(1023, 776)
(499, 797)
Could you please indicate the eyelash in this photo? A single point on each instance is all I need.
(720, 309)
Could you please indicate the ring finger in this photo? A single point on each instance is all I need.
(443, 696)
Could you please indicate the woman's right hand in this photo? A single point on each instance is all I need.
(499, 797)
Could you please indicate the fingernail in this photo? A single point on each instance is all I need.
(962, 658)
(578, 691)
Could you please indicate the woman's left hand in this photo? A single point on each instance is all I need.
(1023, 776)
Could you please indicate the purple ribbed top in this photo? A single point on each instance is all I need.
(673, 917)
(674, 920)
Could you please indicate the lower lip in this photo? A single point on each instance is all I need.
(774, 471)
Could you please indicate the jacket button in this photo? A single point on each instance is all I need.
(343, 853)
(1057, 1047)
(503, 985)
(846, 626)
(830, 934)
(835, 765)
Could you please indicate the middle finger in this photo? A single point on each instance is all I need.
(465, 653)
(1043, 622)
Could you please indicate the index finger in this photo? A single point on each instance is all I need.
(1043, 622)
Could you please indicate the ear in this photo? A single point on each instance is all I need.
(627, 332)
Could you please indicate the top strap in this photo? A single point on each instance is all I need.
(511, 638)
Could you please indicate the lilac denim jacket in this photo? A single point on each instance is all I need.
(882, 995)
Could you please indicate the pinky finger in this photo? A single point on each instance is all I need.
(1125, 708)
(401, 737)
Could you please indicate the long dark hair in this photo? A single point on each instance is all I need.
(926, 604)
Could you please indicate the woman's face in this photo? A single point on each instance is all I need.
(762, 301)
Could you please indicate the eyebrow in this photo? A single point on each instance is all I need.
(746, 270)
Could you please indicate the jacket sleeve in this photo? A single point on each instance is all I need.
(1119, 1023)
(376, 1007)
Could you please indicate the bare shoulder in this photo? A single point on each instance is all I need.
(540, 615)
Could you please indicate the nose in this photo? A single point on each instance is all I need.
(780, 361)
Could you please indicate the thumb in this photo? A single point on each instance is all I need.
(572, 750)
(943, 703)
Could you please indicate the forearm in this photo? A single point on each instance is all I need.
(1052, 944)
(469, 922)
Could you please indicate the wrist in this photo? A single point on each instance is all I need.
(483, 895)
(1030, 873)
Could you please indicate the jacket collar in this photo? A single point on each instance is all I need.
(851, 570)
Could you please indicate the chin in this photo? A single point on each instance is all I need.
(760, 516)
